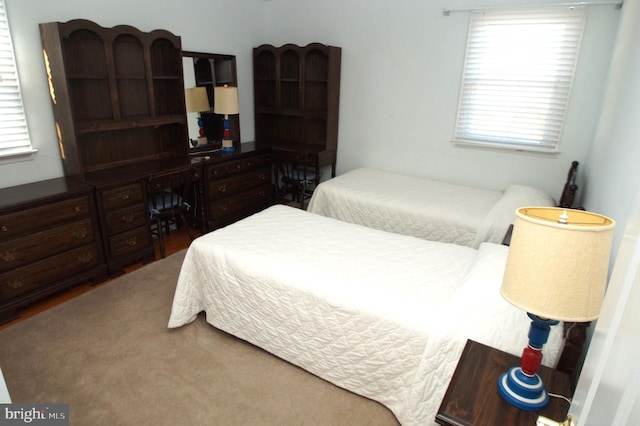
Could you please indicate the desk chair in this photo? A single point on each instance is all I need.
(168, 195)
(297, 173)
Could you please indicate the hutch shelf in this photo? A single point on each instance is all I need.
(297, 91)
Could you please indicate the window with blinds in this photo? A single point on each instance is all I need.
(14, 135)
(517, 77)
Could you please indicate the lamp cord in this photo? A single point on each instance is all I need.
(555, 395)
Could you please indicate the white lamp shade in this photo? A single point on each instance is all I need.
(555, 270)
(225, 100)
(196, 99)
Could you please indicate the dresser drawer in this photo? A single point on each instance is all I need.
(231, 168)
(37, 218)
(253, 199)
(47, 271)
(130, 241)
(123, 196)
(126, 218)
(227, 187)
(19, 252)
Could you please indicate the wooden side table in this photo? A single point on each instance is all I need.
(472, 398)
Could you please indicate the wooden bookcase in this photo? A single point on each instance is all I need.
(297, 96)
(118, 101)
(118, 98)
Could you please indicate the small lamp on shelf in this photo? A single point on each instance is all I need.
(197, 101)
(556, 271)
(226, 103)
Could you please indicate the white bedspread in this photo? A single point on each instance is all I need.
(423, 208)
(383, 315)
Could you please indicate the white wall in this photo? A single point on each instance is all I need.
(612, 171)
(608, 391)
(400, 78)
(401, 69)
(216, 26)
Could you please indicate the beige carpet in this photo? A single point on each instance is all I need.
(109, 355)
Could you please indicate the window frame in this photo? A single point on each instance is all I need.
(480, 97)
(15, 140)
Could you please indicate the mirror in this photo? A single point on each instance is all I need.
(209, 70)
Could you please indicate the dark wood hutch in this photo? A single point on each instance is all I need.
(297, 97)
(118, 102)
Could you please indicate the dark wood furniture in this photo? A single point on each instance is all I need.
(118, 101)
(570, 188)
(49, 240)
(210, 70)
(125, 223)
(297, 174)
(235, 184)
(472, 398)
(297, 91)
(169, 197)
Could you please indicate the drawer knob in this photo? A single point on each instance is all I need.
(77, 209)
(124, 195)
(85, 257)
(81, 233)
(4, 228)
(132, 241)
(222, 188)
(8, 256)
(15, 284)
(262, 176)
(128, 218)
(223, 207)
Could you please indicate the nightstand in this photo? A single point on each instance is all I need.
(472, 398)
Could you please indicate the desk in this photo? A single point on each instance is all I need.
(472, 398)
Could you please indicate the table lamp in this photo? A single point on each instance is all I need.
(225, 102)
(556, 271)
(196, 100)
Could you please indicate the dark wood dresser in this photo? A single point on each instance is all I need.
(125, 223)
(235, 184)
(49, 240)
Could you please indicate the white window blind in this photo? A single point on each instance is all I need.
(14, 135)
(517, 77)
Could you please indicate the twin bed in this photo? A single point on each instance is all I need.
(381, 314)
(424, 208)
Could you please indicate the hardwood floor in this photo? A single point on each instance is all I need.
(174, 242)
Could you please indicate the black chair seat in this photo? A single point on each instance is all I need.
(297, 173)
(165, 200)
(167, 196)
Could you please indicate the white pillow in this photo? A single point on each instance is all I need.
(496, 223)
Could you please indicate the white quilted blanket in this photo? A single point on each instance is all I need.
(423, 208)
(383, 315)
